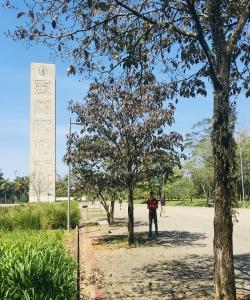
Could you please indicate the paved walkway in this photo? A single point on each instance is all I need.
(176, 265)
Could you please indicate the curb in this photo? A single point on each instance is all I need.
(99, 293)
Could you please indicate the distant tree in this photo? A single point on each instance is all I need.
(200, 164)
(202, 178)
(21, 186)
(1, 180)
(62, 186)
(243, 158)
(123, 135)
(99, 183)
(194, 42)
(1, 175)
(180, 188)
(5, 188)
(143, 188)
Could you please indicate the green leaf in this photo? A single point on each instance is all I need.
(53, 23)
(31, 14)
(20, 14)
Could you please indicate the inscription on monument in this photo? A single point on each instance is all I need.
(42, 147)
(42, 157)
(42, 127)
(42, 87)
(42, 106)
(42, 70)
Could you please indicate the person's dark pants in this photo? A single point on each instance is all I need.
(153, 217)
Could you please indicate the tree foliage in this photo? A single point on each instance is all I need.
(61, 186)
(16, 190)
(174, 35)
(200, 164)
(243, 158)
(125, 136)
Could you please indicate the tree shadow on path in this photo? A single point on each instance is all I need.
(168, 239)
(242, 273)
(190, 277)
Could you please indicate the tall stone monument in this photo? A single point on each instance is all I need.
(43, 133)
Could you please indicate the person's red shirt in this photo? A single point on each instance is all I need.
(152, 205)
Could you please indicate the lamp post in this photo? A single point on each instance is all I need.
(69, 172)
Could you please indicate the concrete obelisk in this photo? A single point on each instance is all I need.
(43, 133)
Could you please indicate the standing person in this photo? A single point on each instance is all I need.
(163, 204)
(152, 205)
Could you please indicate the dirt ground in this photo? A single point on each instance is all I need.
(176, 265)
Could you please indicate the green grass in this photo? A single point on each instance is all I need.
(33, 261)
(198, 203)
(35, 265)
(183, 202)
(37, 216)
(247, 204)
(187, 202)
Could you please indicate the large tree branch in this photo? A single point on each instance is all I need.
(170, 26)
(181, 31)
(202, 41)
(242, 22)
(136, 13)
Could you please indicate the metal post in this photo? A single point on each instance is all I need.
(78, 261)
(69, 171)
(163, 177)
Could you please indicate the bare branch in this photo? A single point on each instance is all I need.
(201, 39)
(183, 32)
(242, 21)
(170, 26)
(136, 13)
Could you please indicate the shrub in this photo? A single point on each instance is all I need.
(38, 216)
(34, 265)
(25, 218)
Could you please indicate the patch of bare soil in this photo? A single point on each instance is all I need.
(70, 243)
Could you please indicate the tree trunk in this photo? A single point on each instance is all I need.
(106, 208)
(223, 193)
(112, 206)
(205, 193)
(108, 217)
(130, 214)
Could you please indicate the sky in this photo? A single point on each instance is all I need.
(15, 60)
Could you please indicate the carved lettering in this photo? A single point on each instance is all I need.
(42, 70)
(42, 179)
(42, 107)
(42, 87)
(42, 127)
(42, 147)
(42, 164)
